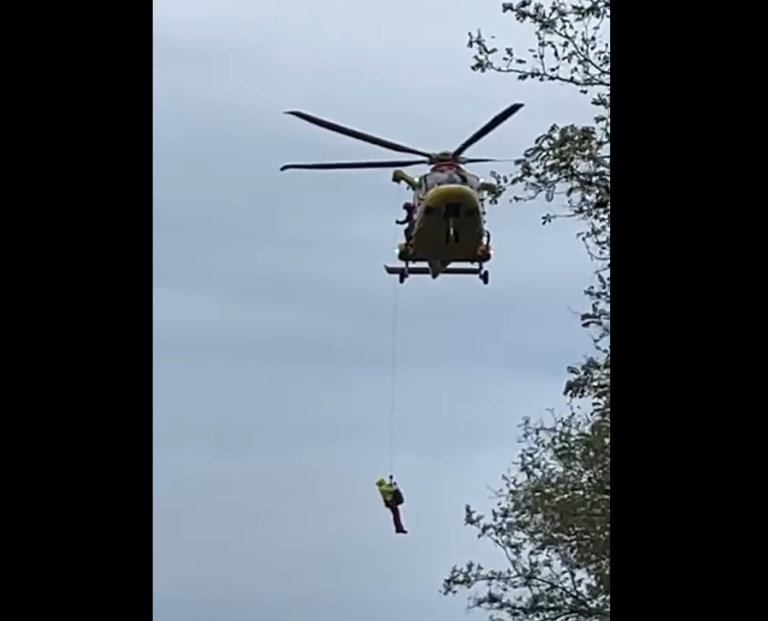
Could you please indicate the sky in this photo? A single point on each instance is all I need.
(272, 315)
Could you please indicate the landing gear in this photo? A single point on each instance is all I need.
(404, 273)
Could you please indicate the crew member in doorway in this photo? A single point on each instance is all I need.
(408, 220)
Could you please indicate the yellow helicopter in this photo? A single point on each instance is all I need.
(445, 222)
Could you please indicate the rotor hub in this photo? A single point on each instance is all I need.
(442, 157)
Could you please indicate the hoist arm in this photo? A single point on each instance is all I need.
(400, 175)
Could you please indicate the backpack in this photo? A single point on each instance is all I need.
(397, 497)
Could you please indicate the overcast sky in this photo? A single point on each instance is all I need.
(272, 314)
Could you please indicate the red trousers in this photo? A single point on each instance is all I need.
(396, 519)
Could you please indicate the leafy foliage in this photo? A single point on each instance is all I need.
(552, 523)
(572, 161)
(552, 515)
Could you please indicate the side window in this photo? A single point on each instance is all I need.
(424, 187)
(430, 180)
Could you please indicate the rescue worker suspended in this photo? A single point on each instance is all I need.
(393, 499)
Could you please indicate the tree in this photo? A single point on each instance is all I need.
(552, 516)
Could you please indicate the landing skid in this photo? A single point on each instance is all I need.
(404, 272)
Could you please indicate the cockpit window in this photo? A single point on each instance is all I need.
(448, 177)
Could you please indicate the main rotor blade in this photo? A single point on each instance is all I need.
(486, 129)
(353, 133)
(479, 160)
(353, 165)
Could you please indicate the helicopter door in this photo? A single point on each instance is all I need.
(421, 191)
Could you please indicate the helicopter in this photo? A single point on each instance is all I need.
(445, 222)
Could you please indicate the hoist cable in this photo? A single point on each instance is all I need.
(393, 369)
(393, 381)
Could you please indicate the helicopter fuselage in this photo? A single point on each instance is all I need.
(446, 222)
(449, 221)
(448, 225)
